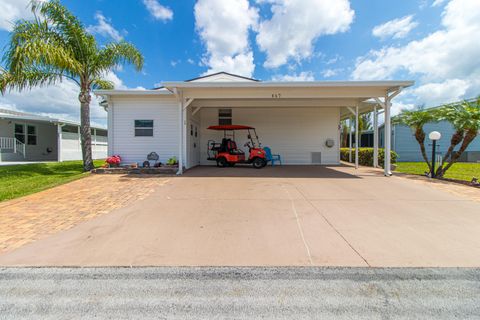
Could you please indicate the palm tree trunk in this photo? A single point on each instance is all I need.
(469, 137)
(420, 137)
(86, 134)
(457, 137)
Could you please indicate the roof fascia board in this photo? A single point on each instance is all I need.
(390, 85)
(132, 93)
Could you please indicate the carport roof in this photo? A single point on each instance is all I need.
(386, 86)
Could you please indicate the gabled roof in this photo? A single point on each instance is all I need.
(23, 116)
(218, 77)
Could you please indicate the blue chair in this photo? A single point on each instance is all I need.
(272, 157)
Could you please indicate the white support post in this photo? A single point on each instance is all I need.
(184, 133)
(180, 133)
(356, 137)
(350, 121)
(375, 137)
(387, 137)
(59, 143)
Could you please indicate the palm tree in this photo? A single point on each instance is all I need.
(465, 118)
(55, 46)
(416, 119)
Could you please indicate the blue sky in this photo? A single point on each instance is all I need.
(429, 41)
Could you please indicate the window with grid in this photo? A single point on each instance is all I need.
(26, 134)
(224, 117)
(32, 135)
(143, 128)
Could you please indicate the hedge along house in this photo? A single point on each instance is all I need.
(30, 137)
(295, 119)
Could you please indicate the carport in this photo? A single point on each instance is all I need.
(295, 103)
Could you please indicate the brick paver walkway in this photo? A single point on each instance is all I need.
(38, 215)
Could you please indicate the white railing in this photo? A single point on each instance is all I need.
(13, 145)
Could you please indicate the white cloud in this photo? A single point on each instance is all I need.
(398, 107)
(433, 94)
(296, 24)
(302, 76)
(60, 101)
(328, 73)
(224, 27)
(13, 10)
(446, 59)
(397, 28)
(158, 11)
(104, 28)
(438, 3)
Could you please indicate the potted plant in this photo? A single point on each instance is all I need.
(172, 161)
(114, 161)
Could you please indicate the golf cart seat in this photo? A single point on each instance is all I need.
(230, 146)
(233, 149)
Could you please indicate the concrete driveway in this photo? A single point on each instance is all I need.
(283, 216)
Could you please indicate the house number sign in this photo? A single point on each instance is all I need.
(276, 95)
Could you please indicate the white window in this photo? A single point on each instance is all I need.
(143, 128)
(224, 117)
(26, 134)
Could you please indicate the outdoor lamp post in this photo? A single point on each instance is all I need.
(434, 136)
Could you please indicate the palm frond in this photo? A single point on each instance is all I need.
(102, 84)
(118, 53)
(35, 43)
(416, 119)
(64, 23)
(463, 116)
(27, 79)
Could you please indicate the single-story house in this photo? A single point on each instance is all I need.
(295, 119)
(30, 137)
(408, 149)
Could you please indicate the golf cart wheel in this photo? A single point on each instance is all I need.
(259, 163)
(222, 162)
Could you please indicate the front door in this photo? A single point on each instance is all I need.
(194, 145)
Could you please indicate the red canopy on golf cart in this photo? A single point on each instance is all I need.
(230, 127)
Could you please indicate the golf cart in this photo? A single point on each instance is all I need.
(226, 153)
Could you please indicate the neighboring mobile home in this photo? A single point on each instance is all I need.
(408, 149)
(30, 137)
(295, 119)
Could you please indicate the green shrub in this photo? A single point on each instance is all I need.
(365, 156)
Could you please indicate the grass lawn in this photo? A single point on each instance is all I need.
(20, 180)
(459, 171)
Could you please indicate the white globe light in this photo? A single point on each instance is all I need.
(435, 135)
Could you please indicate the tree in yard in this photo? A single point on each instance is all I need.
(465, 118)
(55, 46)
(365, 122)
(416, 120)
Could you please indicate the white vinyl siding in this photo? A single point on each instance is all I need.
(72, 148)
(294, 133)
(164, 113)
